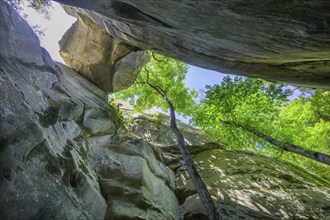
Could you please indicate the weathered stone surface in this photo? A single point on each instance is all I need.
(136, 184)
(61, 154)
(286, 41)
(65, 153)
(244, 185)
(43, 172)
(253, 186)
(106, 61)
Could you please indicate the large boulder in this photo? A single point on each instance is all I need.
(108, 62)
(287, 41)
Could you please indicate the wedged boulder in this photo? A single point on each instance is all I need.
(287, 41)
(108, 62)
(65, 154)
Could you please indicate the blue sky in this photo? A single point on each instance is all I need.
(197, 77)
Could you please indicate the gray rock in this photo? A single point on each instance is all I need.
(250, 186)
(268, 39)
(61, 156)
(65, 153)
(44, 174)
(134, 182)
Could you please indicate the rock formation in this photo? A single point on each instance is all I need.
(245, 185)
(62, 155)
(287, 41)
(66, 154)
(106, 61)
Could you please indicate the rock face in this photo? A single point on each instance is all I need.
(62, 156)
(65, 153)
(287, 41)
(244, 185)
(106, 61)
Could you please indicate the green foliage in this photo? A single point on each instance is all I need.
(266, 107)
(249, 102)
(41, 6)
(164, 73)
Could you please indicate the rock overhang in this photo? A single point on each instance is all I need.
(288, 42)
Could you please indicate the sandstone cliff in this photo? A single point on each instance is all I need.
(66, 154)
(279, 40)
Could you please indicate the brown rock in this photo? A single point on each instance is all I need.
(109, 63)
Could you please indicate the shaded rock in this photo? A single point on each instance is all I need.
(64, 154)
(267, 39)
(61, 154)
(106, 61)
(43, 172)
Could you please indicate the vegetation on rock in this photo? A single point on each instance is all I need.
(41, 6)
(249, 114)
(255, 115)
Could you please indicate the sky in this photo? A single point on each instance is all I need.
(55, 27)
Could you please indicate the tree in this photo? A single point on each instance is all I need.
(160, 84)
(41, 6)
(251, 112)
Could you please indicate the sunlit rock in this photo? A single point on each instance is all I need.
(244, 185)
(106, 61)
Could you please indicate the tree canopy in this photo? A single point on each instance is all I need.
(167, 74)
(240, 111)
(268, 108)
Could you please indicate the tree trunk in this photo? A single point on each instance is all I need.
(204, 195)
(314, 155)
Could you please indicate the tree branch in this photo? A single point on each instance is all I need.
(314, 155)
(154, 56)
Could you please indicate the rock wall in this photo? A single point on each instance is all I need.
(62, 155)
(66, 154)
(244, 185)
(287, 41)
